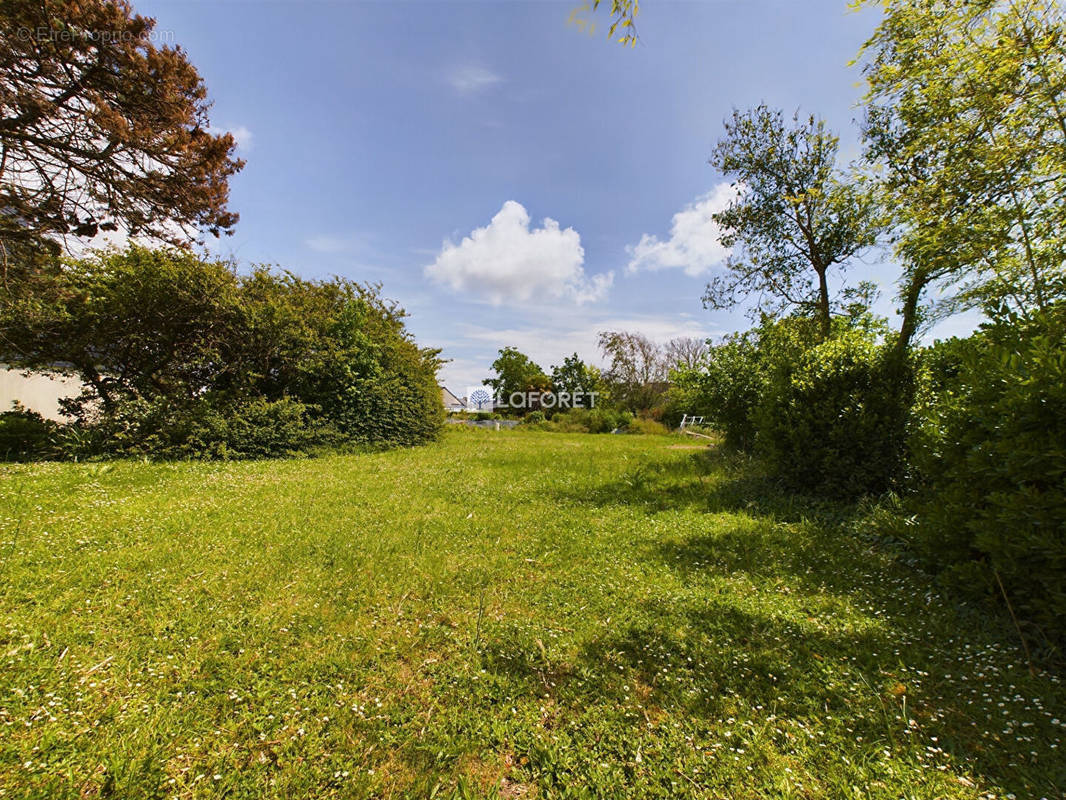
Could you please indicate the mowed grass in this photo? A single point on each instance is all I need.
(499, 614)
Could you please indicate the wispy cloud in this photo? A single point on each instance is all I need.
(472, 78)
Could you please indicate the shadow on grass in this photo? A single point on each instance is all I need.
(708, 655)
(710, 481)
(843, 650)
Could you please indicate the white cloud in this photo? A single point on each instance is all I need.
(506, 261)
(693, 244)
(241, 134)
(471, 79)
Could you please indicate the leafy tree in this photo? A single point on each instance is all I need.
(795, 218)
(340, 348)
(101, 129)
(135, 325)
(965, 129)
(575, 376)
(516, 372)
(724, 389)
(637, 371)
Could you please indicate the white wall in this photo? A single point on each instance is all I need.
(39, 391)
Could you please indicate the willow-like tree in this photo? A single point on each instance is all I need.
(637, 370)
(623, 16)
(101, 129)
(796, 218)
(966, 130)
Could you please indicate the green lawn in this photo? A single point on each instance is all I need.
(499, 614)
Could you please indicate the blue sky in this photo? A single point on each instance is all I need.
(423, 145)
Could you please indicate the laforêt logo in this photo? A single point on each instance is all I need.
(479, 399)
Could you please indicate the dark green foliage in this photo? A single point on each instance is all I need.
(24, 434)
(139, 324)
(831, 421)
(516, 372)
(254, 428)
(185, 357)
(828, 416)
(574, 375)
(989, 454)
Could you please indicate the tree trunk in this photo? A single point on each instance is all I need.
(823, 305)
(912, 294)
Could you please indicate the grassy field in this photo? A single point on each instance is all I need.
(498, 614)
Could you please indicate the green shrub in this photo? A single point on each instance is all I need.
(725, 390)
(989, 462)
(587, 420)
(252, 429)
(729, 388)
(831, 421)
(185, 357)
(642, 425)
(255, 429)
(604, 420)
(534, 418)
(25, 434)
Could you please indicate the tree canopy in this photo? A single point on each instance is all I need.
(636, 371)
(102, 129)
(516, 372)
(795, 217)
(178, 355)
(966, 135)
(574, 375)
